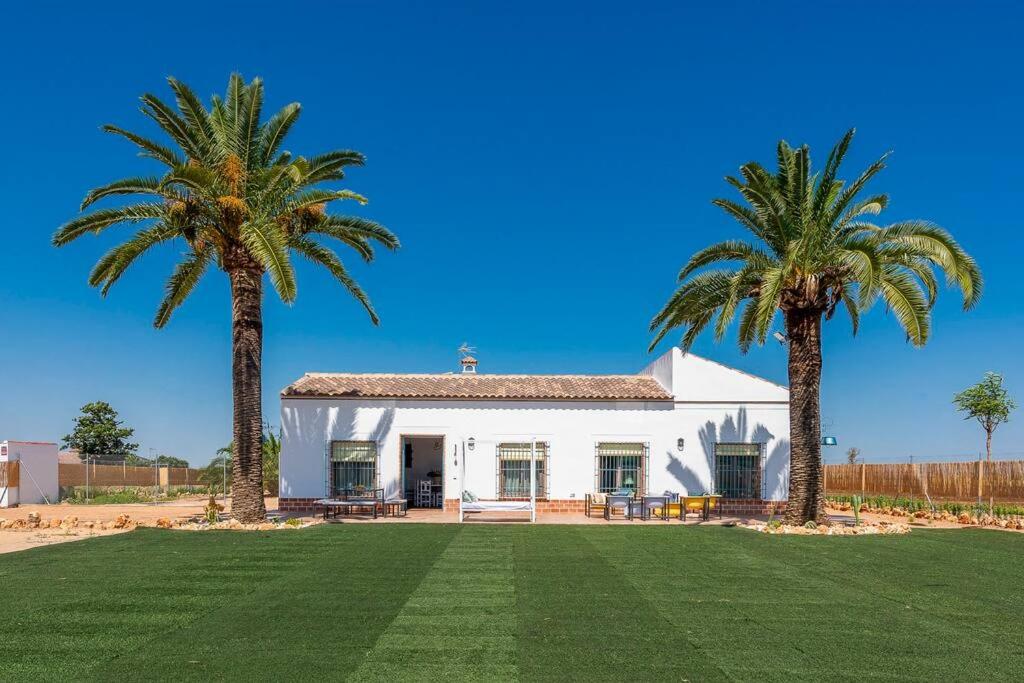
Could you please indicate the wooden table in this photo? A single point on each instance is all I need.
(398, 507)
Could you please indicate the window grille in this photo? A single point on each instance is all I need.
(514, 470)
(353, 466)
(622, 466)
(738, 470)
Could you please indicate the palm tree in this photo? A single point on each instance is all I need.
(235, 200)
(814, 249)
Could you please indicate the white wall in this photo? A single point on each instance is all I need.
(571, 428)
(691, 378)
(38, 479)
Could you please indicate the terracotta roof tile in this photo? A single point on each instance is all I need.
(492, 387)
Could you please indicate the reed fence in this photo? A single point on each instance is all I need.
(70, 474)
(1001, 480)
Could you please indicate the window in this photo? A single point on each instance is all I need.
(738, 470)
(514, 470)
(353, 466)
(622, 466)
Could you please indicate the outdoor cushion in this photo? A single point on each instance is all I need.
(597, 498)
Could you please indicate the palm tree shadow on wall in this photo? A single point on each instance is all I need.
(700, 478)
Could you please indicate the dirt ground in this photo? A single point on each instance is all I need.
(186, 508)
(181, 509)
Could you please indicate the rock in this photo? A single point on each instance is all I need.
(33, 520)
(164, 523)
(122, 521)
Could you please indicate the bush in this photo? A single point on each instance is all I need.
(912, 505)
(108, 496)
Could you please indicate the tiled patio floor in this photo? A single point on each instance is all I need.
(428, 516)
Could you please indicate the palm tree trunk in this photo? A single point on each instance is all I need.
(806, 484)
(246, 391)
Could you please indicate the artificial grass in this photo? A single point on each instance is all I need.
(502, 602)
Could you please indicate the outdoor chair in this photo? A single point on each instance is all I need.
(649, 504)
(618, 502)
(713, 504)
(594, 504)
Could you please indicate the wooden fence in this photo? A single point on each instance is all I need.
(1000, 480)
(9, 474)
(69, 474)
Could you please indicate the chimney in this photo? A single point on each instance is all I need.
(468, 365)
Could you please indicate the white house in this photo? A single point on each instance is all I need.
(684, 424)
(28, 473)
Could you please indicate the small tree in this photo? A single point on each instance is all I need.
(852, 455)
(217, 475)
(271, 446)
(989, 403)
(98, 432)
(170, 461)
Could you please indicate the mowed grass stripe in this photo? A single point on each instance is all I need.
(581, 618)
(346, 584)
(801, 608)
(459, 624)
(69, 607)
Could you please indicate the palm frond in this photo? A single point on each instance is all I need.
(140, 185)
(276, 130)
(938, 246)
(98, 221)
(264, 241)
(115, 262)
(319, 254)
(904, 297)
(151, 149)
(183, 280)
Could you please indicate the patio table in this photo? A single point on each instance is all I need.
(397, 507)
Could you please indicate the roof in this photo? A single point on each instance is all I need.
(485, 387)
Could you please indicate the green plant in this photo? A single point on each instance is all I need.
(231, 198)
(856, 510)
(810, 524)
(911, 505)
(108, 496)
(293, 521)
(774, 524)
(814, 249)
(212, 510)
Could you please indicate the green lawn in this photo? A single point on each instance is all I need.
(635, 602)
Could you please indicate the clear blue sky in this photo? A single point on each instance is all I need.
(548, 168)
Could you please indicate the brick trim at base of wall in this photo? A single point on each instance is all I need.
(737, 507)
(295, 504)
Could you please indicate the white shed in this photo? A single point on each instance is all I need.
(28, 473)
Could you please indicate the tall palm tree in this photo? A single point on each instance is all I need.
(814, 249)
(235, 200)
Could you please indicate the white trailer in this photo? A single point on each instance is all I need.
(34, 478)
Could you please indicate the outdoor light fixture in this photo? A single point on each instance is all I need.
(829, 441)
(680, 443)
(781, 338)
(471, 443)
